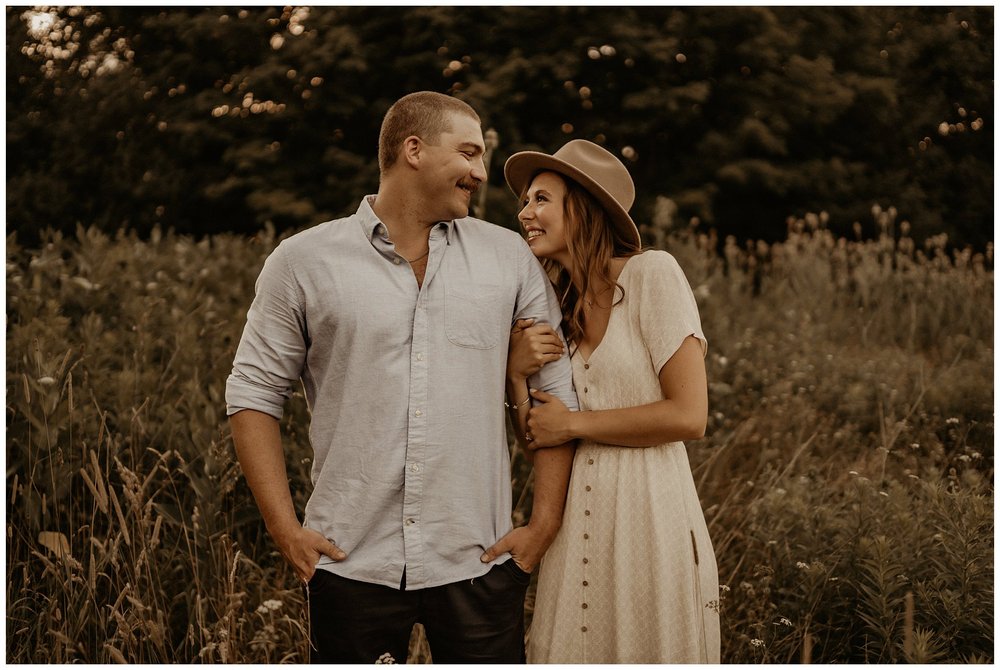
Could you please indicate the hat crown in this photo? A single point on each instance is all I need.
(602, 167)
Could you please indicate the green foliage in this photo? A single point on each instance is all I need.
(848, 463)
(847, 468)
(207, 120)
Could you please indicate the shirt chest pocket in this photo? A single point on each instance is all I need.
(475, 316)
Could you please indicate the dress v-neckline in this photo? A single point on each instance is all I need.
(587, 359)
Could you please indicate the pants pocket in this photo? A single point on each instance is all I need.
(520, 576)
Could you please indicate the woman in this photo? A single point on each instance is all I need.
(631, 576)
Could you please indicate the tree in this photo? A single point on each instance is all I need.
(208, 120)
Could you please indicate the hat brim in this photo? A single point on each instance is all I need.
(523, 166)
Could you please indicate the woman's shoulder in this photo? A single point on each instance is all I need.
(653, 262)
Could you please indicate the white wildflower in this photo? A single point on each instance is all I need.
(802, 566)
(269, 606)
(756, 642)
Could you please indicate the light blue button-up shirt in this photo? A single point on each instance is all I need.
(405, 385)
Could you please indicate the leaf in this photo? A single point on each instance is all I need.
(55, 542)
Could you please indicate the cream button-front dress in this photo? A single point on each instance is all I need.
(631, 577)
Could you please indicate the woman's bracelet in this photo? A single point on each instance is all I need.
(518, 405)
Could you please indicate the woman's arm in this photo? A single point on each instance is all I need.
(682, 414)
(518, 403)
(531, 347)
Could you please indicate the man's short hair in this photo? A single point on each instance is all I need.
(425, 114)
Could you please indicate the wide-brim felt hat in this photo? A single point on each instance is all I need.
(596, 169)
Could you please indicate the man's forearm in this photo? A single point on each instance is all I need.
(258, 447)
(552, 471)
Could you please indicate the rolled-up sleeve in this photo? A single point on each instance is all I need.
(272, 351)
(537, 300)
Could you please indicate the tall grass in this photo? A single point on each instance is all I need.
(846, 476)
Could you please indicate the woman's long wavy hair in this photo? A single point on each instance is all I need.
(592, 240)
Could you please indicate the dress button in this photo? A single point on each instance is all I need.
(584, 389)
(584, 605)
(583, 629)
(585, 561)
(586, 583)
(588, 488)
(590, 461)
(586, 536)
(586, 512)
(586, 366)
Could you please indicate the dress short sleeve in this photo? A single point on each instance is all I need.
(667, 310)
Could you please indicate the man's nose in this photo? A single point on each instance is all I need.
(479, 170)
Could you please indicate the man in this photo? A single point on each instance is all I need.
(396, 319)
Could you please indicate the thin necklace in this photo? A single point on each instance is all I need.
(590, 303)
(415, 259)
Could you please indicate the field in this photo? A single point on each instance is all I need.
(847, 472)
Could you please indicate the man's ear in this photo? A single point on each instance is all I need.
(412, 147)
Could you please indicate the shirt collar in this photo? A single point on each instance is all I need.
(373, 227)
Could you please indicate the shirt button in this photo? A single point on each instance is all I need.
(396, 261)
(418, 413)
(414, 467)
(410, 522)
(420, 357)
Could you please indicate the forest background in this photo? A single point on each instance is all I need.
(213, 120)
(823, 175)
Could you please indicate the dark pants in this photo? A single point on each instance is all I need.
(472, 621)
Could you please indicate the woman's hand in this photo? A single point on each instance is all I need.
(531, 347)
(548, 421)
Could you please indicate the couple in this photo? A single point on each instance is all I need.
(402, 322)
